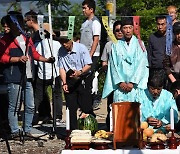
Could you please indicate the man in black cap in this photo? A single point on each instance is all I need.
(127, 71)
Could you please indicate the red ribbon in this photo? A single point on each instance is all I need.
(136, 23)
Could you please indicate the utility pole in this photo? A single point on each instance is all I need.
(111, 8)
(111, 12)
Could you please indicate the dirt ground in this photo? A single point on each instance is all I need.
(33, 147)
(51, 146)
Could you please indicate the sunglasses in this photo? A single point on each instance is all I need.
(117, 30)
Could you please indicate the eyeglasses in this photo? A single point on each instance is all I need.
(117, 30)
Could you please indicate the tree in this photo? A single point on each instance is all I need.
(147, 9)
(60, 12)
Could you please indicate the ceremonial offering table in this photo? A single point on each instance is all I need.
(122, 151)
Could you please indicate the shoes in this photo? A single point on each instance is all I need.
(96, 105)
(47, 120)
(42, 120)
(17, 137)
(59, 122)
(28, 137)
(14, 136)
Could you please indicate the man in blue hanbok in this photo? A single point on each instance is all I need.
(156, 102)
(127, 71)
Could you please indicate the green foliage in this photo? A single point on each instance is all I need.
(76, 10)
(101, 8)
(49, 91)
(101, 80)
(146, 9)
(148, 24)
(60, 9)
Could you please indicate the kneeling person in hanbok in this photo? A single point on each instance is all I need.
(156, 102)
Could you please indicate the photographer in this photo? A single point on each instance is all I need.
(17, 53)
(44, 79)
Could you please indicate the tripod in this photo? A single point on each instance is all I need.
(45, 79)
(3, 126)
(6, 140)
(25, 84)
(53, 91)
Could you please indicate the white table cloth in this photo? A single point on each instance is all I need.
(122, 151)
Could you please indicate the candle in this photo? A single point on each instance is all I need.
(67, 119)
(111, 120)
(172, 118)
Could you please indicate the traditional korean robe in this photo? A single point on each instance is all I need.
(158, 108)
(127, 63)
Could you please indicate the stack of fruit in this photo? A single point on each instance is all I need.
(147, 132)
(101, 134)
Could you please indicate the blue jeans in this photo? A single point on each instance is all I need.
(28, 109)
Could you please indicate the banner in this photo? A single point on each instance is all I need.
(136, 23)
(71, 27)
(40, 19)
(169, 35)
(108, 29)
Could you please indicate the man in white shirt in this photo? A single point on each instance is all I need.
(90, 34)
(45, 74)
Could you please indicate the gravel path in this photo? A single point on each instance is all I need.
(33, 147)
(54, 146)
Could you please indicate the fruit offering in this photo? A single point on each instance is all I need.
(101, 134)
(158, 137)
(88, 122)
(144, 125)
(147, 132)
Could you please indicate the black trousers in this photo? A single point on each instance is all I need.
(42, 103)
(79, 96)
(109, 101)
(94, 63)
